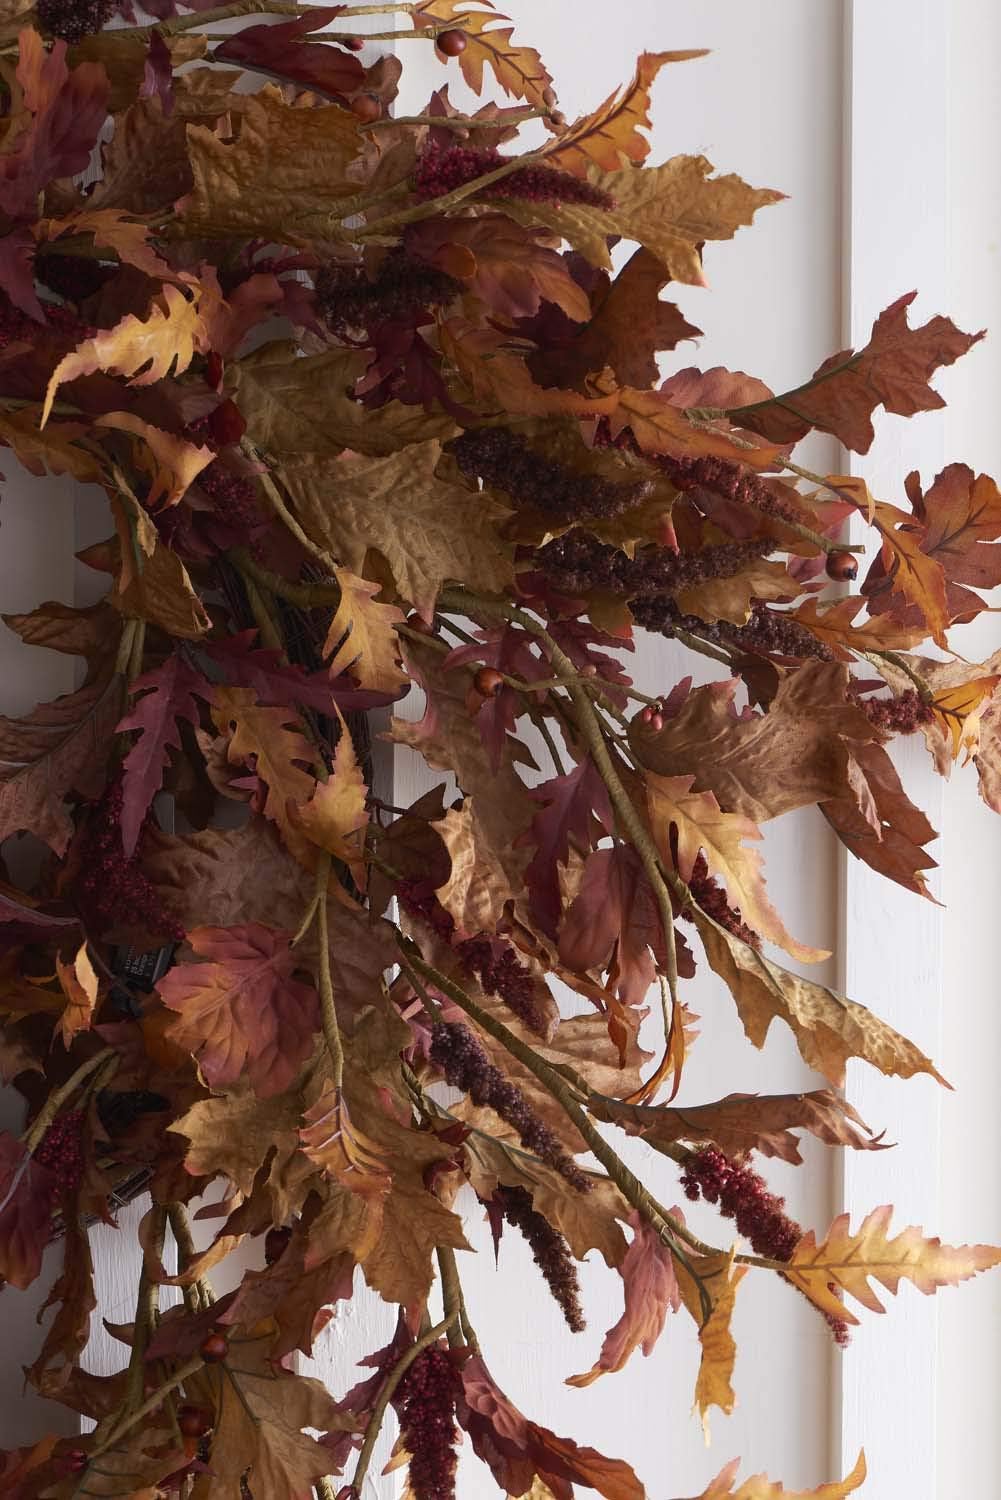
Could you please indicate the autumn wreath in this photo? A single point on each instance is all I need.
(375, 413)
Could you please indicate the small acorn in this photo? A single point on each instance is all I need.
(452, 42)
(366, 107)
(214, 1348)
(842, 566)
(194, 1421)
(352, 43)
(488, 682)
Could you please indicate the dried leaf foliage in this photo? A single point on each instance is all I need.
(375, 416)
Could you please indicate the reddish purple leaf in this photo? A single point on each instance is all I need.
(20, 924)
(651, 1291)
(68, 112)
(17, 271)
(570, 805)
(170, 694)
(275, 682)
(27, 1195)
(279, 50)
(513, 652)
(158, 74)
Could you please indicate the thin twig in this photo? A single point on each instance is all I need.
(147, 1306)
(328, 1006)
(180, 1228)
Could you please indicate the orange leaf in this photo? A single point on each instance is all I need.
(848, 1260)
(79, 985)
(912, 573)
(832, 625)
(336, 817)
(958, 711)
(612, 131)
(362, 639)
(661, 427)
(760, 1488)
(519, 71)
(719, 1352)
(265, 734)
(112, 229)
(176, 464)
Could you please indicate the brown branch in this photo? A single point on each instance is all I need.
(147, 1307)
(328, 1005)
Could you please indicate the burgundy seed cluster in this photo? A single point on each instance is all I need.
(404, 287)
(903, 714)
(234, 496)
(742, 1195)
(465, 1064)
(578, 562)
(710, 897)
(442, 169)
(550, 1252)
(728, 480)
(768, 631)
(112, 890)
(506, 462)
(490, 960)
(61, 1150)
(73, 19)
(17, 327)
(425, 1403)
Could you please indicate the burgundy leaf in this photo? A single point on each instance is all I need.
(275, 682)
(169, 696)
(279, 50)
(570, 805)
(27, 1196)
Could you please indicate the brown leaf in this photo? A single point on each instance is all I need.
(282, 173)
(66, 1336)
(242, 1008)
(429, 530)
(478, 888)
(612, 131)
(111, 229)
(849, 1260)
(832, 625)
(336, 817)
(503, 265)
(828, 1029)
(661, 427)
(519, 71)
(296, 406)
(918, 578)
(744, 1122)
(79, 984)
(277, 750)
(892, 371)
(651, 1290)
(878, 822)
(362, 639)
(52, 451)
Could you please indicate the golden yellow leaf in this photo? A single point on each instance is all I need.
(336, 817)
(703, 826)
(958, 711)
(176, 463)
(848, 1261)
(79, 985)
(761, 1488)
(148, 350)
(429, 530)
(915, 575)
(278, 750)
(713, 1385)
(362, 640)
(611, 133)
(828, 1028)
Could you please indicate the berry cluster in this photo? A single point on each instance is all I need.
(403, 289)
(465, 1064)
(903, 714)
(235, 497)
(112, 890)
(742, 1195)
(729, 481)
(506, 462)
(710, 897)
(550, 1251)
(768, 632)
(16, 327)
(442, 169)
(61, 1150)
(425, 1403)
(490, 960)
(578, 562)
(73, 19)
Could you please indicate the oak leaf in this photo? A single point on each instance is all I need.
(111, 229)
(362, 639)
(849, 1260)
(651, 1291)
(519, 71)
(828, 1029)
(333, 1142)
(73, 1295)
(275, 681)
(611, 133)
(910, 572)
(169, 694)
(760, 1488)
(428, 529)
(659, 426)
(744, 1122)
(79, 984)
(172, 464)
(242, 1008)
(300, 1301)
(876, 820)
(833, 626)
(278, 752)
(336, 817)
(702, 826)
(147, 349)
(892, 371)
(53, 451)
(713, 1385)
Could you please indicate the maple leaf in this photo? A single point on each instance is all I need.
(27, 1195)
(572, 807)
(297, 405)
(242, 1008)
(519, 71)
(892, 371)
(326, 70)
(651, 1291)
(147, 350)
(744, 1122)
(232, 1133)
(277, 750)
(702, 826)
(169, 695)
(362, 640)
(79, 984)
(517, 1449)
(762, 765)
(428, 529)
(849, 1260)
(503, 264)
(828, 1028)
(628, 325)
(612, 132)
(760, 1488)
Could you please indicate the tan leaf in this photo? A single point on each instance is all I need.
(148, 350)
(849, 1260)
(519, 71)
(828, 1029)
(176, 463)
(79, 985)
(283, 172)
(760, 1488)
(713, 1385)
(362, 639)
(702, 826)
(611, 133)
(52, 451)
(744, 1122)
(428, 529)
(730, 598)
(295, 405)
(277, 748)
(111, 229)
(337, 816)
(478, 887)
(498, 375)
(232, 1133)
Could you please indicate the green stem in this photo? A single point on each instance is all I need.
(328, 1006)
